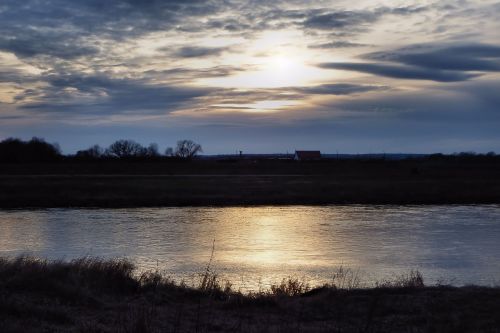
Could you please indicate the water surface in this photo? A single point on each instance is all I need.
(256, 246)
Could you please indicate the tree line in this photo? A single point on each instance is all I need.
(38, 150)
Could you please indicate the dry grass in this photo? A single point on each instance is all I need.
(95, 295)
(290, 287)
(274, 184)
(412, 279)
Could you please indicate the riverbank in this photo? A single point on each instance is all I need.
(235, 182)
(91, 295)
(232, 190)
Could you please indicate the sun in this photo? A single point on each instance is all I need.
(282, 63)
(273, 71)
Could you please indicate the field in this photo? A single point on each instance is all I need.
(91, 295)
(133, 184)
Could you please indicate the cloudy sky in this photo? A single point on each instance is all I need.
(354, 76)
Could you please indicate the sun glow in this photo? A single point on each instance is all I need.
(282, 63)
(271, 72)
(271, 66)
(273, 60)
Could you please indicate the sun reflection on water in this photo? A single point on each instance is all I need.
(258, 246)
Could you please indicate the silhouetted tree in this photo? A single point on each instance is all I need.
(12, 150)
(125, 149)
(93, 152)
(169, 152)
(35, 150)
(187, 149)
(152, 150)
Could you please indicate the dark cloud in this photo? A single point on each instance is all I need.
(60, 28)
(442, 63)
(30, 45)
(107, 96)
(342, 19)
(336, 45)
(401, 72)
(470, 57)
(409, 10)
(460, 104)
(337, 89)
(328, 20)
(188, 74)
(15, 75)
(68, 29)
(230, 25)
(254, 16)
(197, 51)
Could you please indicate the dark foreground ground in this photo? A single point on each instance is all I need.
(133, 184)
(90, 295)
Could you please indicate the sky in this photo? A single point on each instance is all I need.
(367, 76)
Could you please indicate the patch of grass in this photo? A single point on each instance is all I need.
(290, 287)
(345, 279)
(412, 279)
(75, 279)
(271, 182)
(95, 295)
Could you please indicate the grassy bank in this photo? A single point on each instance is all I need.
(142, 191)
(91, 295)
(123, 184)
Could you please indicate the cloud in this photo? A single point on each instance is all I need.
(461, 57)
(336, 45)
(442, 63)
(354, 19)
(400, 72)
(60, 28)
(238, 96)
(197, 51)
(69, 29)
(466, 103)
(15, 75)
(188, 74)
(93, 95)
(30, 44)
(337, 89)
(339, 19)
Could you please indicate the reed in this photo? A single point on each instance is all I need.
(96, 295)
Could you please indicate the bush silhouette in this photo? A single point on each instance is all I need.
(14, 150)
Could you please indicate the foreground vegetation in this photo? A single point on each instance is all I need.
(92, 295)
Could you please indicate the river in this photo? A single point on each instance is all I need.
(256, 246)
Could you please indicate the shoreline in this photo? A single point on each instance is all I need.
(245, 205)
(120, 191)
(95, 295)
(127, 184)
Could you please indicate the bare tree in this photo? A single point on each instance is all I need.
(93, 152)
(152, 150)
(125, 148)
(187, 149)
(169, 152)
